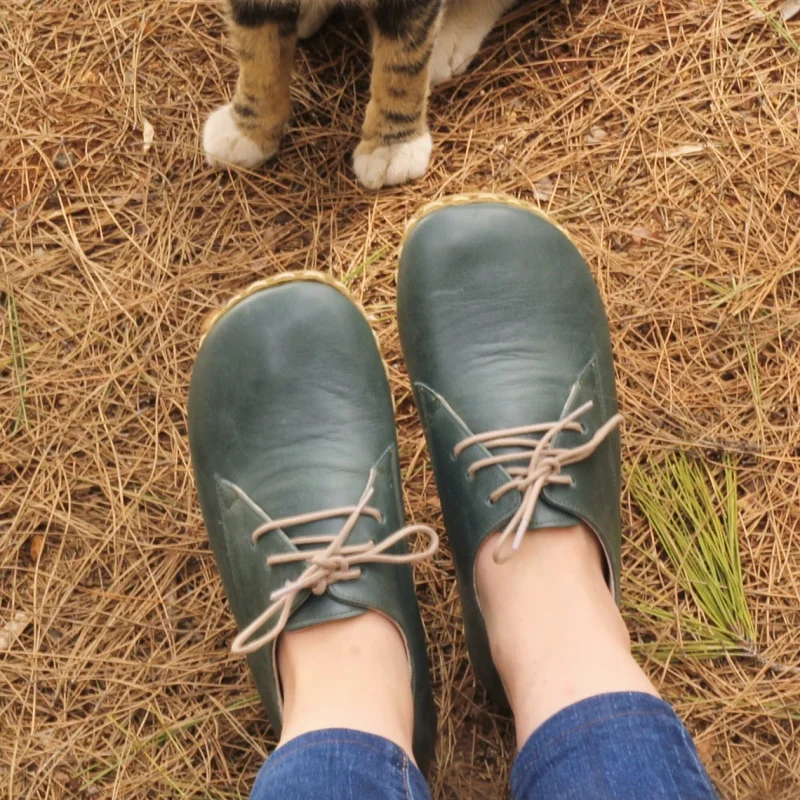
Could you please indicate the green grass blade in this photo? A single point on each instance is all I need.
(365, 265)
(693, 512)
(778, 25)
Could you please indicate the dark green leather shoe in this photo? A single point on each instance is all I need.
(508, 349)
(293, 442)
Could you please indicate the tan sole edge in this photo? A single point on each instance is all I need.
(472, 198)
(292, 277)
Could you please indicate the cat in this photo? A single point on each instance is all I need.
(415, 43)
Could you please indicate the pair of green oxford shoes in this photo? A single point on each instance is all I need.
(294, 447)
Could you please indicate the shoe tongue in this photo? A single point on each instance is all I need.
(545, 515)
(285, 494)
(318, 609)
(296, 490)
(547, 405)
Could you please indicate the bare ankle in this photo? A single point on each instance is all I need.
(353, 674)
(556, 634)
(549, 560)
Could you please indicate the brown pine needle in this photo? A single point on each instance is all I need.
(122, 685)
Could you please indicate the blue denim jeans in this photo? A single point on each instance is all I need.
(621, 746)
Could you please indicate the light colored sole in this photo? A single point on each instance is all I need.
(476, 198)
(280, 280)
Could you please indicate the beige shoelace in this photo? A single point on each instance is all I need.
(543, 467)
(333, 562)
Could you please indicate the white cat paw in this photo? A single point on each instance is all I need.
(452, 53)
(225, 145)
(391, 164)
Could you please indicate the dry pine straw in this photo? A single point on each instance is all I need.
(664, 136)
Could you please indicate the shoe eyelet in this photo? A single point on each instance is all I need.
(469, 476)
(453, 456)
(491, 503)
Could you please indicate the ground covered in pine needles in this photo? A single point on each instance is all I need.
(663, 136)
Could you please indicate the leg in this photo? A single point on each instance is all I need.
(466, 24)
(514, 378)
(293, 441)
(372, 692)
(396, 145)
(586, 715)
(350, 736)
(248, 131)
(554, 584)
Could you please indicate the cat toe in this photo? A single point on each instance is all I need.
(225, 145)
(389, 165)
(452, 55)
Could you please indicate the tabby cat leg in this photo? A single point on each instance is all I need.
(248, 131)
(464, 27)
(395, 145)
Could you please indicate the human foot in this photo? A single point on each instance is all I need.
(294, 451)
(555, 632)
(507, 345)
